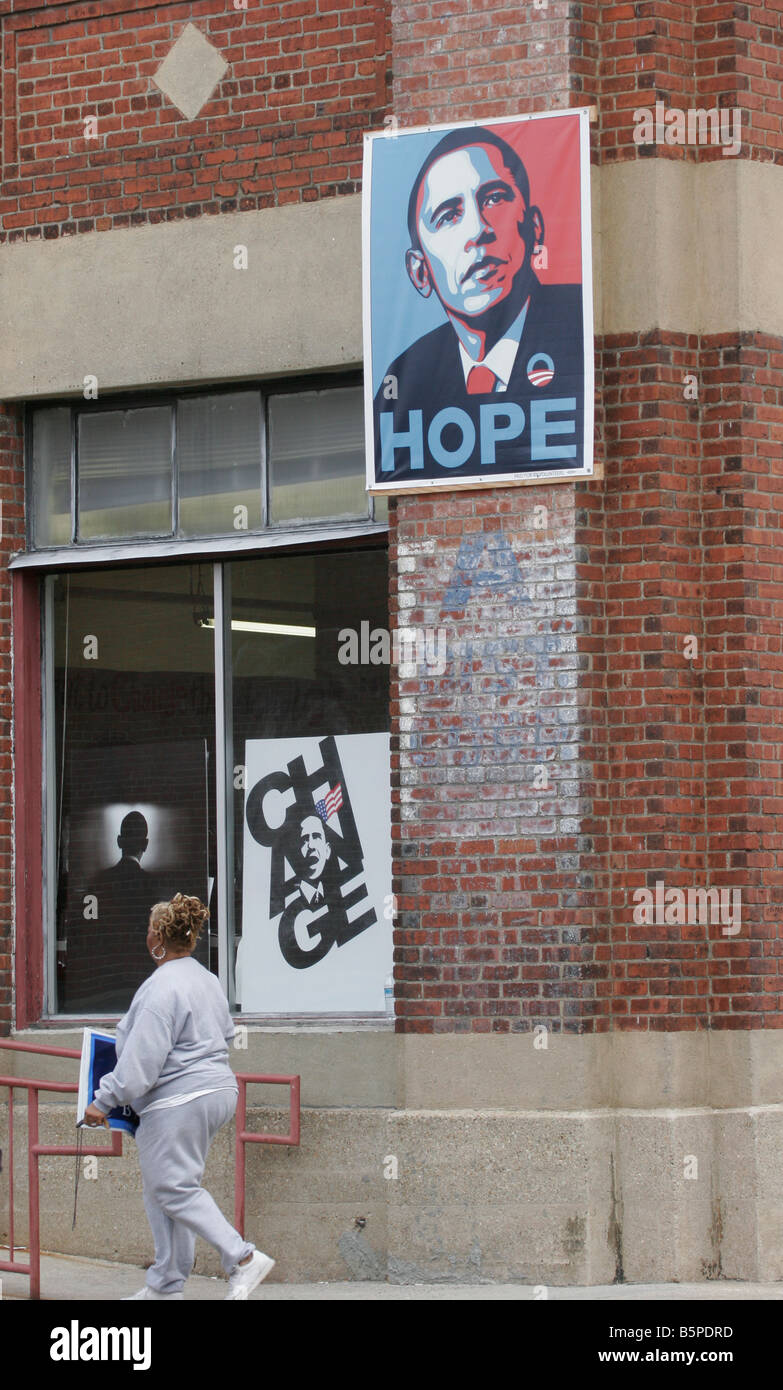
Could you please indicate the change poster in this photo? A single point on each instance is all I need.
(316, 895)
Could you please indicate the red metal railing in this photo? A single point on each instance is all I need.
(34, 1151)
(243, 1136)
(34, 1148)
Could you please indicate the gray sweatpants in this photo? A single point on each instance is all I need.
(173, 1145)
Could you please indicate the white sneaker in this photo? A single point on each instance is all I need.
(247, 1277)
(147, 1292)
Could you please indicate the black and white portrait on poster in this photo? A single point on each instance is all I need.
(134, 831)
(317, 931)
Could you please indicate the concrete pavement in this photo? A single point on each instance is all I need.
(66, 1278)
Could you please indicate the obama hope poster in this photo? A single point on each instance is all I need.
(478, 314)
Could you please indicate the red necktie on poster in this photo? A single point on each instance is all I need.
(481, 381)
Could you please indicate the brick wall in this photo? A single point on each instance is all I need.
(690, 784)
(498, 927)
(677, 758)
(494, 925)
(284, 124)
(460, 61)
(743, 665)
(692, 770)
(654, 771)
(723, 55)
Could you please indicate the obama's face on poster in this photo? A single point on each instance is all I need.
(475, 234)
(314, 849)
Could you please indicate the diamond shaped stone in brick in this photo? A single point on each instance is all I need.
(191, 71)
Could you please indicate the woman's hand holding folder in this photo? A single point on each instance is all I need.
(93, 1117)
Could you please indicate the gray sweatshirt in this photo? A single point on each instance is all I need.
(173, 1040)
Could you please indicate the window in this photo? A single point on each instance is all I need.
(123, 474)
(304, 723)
(219, 463)
(133, 775)
(316, 448)
(208, 737)
(208, 728)
(195, 466)
(50, 487)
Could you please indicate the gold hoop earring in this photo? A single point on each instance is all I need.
(154, 957)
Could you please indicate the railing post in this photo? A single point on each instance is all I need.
(244, 1137)
(239, 1158)
(294, 1109)
(34, 1234)
(11, 1174)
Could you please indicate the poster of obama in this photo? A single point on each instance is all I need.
(478, 311)
(316, 890)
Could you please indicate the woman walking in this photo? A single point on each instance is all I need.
(172, 1068)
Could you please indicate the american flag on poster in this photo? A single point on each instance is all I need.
(331, 803)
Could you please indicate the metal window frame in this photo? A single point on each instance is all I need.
(49, 799)
(224, 763)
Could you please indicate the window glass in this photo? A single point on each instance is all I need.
(133, 771)
(50, 494)
(124, 473)
(316, 456)
(219, 464)
(197, 467)
(311, 783)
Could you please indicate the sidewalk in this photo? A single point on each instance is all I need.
(65, 1278)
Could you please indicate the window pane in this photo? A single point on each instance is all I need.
(316, 456)
(134, 731)
(219, 461)
(312, 714)
(124, 471)
(51, 486)
(381, 509)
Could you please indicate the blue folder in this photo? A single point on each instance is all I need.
(99, 1056)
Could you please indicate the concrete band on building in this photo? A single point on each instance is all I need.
(569, 1094)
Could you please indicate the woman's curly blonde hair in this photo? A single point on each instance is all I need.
(180, 921)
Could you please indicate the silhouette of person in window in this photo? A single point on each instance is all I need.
(107, 958)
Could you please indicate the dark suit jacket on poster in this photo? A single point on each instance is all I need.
(430, 378)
